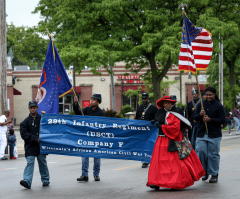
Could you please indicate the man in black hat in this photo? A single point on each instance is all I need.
(92, 110)
(146, 111)
(191, 107)
(29, 130)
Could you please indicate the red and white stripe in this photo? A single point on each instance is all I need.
(186, 59)
(198, 55)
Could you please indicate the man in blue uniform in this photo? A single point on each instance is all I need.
(92, 110)
(29, 130)
(208, 141)
(146, 111)
(191, 107)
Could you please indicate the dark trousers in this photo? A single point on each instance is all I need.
(11, 149)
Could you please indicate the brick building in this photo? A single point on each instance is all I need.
(26, 86)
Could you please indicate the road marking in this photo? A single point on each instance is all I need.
(222, 149)
(128, 167)
(8, 169)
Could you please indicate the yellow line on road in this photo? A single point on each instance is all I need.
(222, 149)
(128, 167)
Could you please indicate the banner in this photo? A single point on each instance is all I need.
(98, 137)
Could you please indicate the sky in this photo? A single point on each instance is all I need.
(19, 12)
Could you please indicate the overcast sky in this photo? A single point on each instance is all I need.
(19, 12)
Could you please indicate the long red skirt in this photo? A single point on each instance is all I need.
(168, 171)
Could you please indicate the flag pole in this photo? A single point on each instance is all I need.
(201, 100)
(78, 101)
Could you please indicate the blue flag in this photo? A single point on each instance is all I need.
(64, 84)
(54, 82)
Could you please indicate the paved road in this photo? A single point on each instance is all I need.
(119, 179)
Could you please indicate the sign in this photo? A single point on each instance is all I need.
(130, 79)
(98, 137)
(86, 103)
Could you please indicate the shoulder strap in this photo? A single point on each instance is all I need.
(146, 109)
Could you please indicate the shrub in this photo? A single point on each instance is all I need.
(111, 113)
(71, 113)
(125, 109)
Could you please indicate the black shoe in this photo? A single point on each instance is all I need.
(154, 187)
(4, 158)
(45, 184)
(97, 178)
(145, 165)
(214, 179)
(24, 184)
(83, 178)
(205, 177)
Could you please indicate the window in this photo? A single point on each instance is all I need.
(65, 104)
(130, 101)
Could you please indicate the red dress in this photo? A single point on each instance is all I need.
(166, 169)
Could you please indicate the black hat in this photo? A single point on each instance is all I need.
(32, 103)
(145, 95)
(98, 97)
(196, 92)
(173, 97)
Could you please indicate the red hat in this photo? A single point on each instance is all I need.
(165, 98)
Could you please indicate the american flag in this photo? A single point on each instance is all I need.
(196, 47)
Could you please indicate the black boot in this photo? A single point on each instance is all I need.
(214, 179)
(205, 177)
(96, 178)
(145, 165)
(83, 178)
(25, 184)
(154, 187)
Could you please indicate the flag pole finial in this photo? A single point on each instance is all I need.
(182, 5)
(48, 32)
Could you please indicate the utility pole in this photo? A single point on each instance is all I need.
(221, 72)
(3, 57)
(113, 90)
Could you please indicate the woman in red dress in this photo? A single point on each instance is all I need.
(166, 169)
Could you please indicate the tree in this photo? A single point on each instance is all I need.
(139, 32)
(29, 48)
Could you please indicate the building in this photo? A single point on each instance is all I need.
(27, 82)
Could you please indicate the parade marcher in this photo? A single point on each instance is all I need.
(166, 168)
(174, 97)
(29, 130)
(146, 111)
(191, 107)
(229, 123)
(208, 141)
(236, 116)
(93, 110)
(3, 133)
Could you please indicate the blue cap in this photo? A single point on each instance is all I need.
(32, 103)
(145, 95)
(98, 97)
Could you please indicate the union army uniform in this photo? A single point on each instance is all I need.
(146, 112)
(29, 130)
(191, 107)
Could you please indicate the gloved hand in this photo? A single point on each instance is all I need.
(159, 125)
(153, 122)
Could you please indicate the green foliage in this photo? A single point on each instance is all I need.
(28, 47)
(71, 113)
(126, 109)
(149, 89)
(112, 113)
